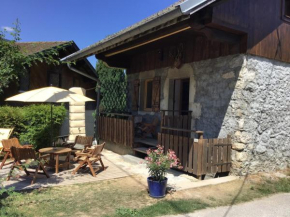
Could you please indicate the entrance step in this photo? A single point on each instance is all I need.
(142, 150)
(146, 142)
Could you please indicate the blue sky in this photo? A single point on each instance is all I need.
(84, 21)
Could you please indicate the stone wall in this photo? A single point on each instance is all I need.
(259, 113)
(245, 96)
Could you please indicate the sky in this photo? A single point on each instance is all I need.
(84, 21)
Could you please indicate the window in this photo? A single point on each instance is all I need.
(148, 94)
(179, 96)
(54, 79)
(76, 82)
(286, 10)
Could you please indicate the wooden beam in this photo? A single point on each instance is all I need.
(147, 42)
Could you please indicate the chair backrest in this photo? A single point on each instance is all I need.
(98, 149)
(22, 153)
(5, 133)
(155, 121)
(84, 140)
(8, 143)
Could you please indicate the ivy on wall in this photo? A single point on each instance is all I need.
(113, 88)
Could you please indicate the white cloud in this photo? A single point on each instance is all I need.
(7, 28)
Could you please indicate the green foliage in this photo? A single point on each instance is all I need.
(126, 212)
(14, 62)
(32, 123)
(113, 88)
(159, 162)
(13, 117)
(272, 187)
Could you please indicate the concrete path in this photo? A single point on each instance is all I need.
(273, 206)
(117, 166)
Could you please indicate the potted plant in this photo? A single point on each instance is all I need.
(158, 163)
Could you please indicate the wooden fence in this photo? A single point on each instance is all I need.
(117, 130)
(200, 157)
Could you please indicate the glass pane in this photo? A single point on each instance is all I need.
(287, 8)
(149, 94)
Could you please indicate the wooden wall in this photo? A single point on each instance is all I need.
(191, 47)
(268, 33)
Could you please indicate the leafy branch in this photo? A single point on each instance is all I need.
(14, 62)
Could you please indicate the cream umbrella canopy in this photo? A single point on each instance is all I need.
(49, 95)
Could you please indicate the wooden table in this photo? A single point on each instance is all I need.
(54, 153)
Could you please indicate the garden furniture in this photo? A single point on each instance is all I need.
(149, 128)
(5, 133)
(49, 95)
(92, 155)
(7, 145)
(55, 153)
(26, 154)
(61, 140)
(80, 143)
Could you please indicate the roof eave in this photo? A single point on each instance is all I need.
(185, 8)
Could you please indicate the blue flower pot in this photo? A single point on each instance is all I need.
(157, 189)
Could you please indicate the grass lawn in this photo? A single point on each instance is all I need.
(127, 197)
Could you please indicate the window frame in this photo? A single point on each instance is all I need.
(145, 94)
(285, 17)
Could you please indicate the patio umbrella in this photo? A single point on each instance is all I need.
(49, 95)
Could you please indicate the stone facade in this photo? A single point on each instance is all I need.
(245, 96)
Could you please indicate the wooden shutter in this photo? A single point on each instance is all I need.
(135, 95)
(156, 94)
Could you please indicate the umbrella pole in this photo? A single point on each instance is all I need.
(51, 125)
(97, 115)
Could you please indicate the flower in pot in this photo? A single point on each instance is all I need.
(158, 163)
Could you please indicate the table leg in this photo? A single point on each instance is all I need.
(69, 154)
(56, 163)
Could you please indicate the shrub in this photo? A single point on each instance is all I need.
(12, 117)
(32, 123)
(159, 162)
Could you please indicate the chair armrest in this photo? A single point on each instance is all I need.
(44, 156)
(27, 146)
(80, 154)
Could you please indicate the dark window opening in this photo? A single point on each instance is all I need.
(180, 96)
(287, 8)
(54, 79)
(148, 96)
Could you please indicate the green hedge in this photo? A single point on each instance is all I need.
(32, 123)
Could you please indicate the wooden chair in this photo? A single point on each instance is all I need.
(20, 154)
(61, 141)
(80, 143)
(149, 128)
(5, 133)
(93, 155)
(7, 144)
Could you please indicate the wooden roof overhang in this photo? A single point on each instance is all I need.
(199, 24)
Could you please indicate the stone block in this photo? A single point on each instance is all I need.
(228, 75)
(77, 109)
(238, 146)
(77, 123)
(241, 156)
(77, 116)
(261, 149)
(77, 130)
(76, 104)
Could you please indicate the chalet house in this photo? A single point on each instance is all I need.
(43, 75)
(217, 66)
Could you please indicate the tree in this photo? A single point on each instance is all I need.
(113, 88)
(14, 62)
